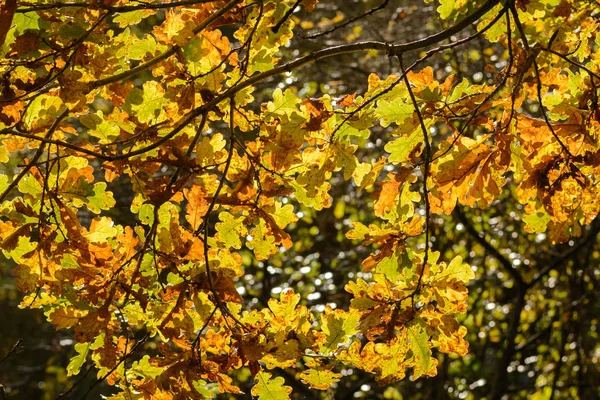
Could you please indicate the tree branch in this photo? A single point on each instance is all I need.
(591, 235)
(142, 6)
(12, 351)
(509, 348)
(392, 49)
(35, 158)
(373, 10)
(142, 67)
(505, 262)
(318, 55)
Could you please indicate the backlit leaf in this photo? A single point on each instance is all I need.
(270, 389)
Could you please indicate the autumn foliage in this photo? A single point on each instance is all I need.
(179, 113)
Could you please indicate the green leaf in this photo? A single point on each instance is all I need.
(150, 106)
(144, 368)
(231, 229)
(77, 361)
(338, 326)
(284, 103)
(42, 111)
(446, 8)
(208, 147)
(24, 247)
(262, 242)
(98, 126)
(200, 387)
(455, 270)
(452, 8)
(406, 148)
(261, 61)
(3, 183)
(101, 200)
(140, 48)
(536, 223)
(132, 18)
(270, 389)
(20, 23)
(390, 267)
(283, 215)
(421, 360)
(395, 111)
(3, 154)
(319, 378)
(101, 230)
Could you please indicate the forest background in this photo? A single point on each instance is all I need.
(273, 199)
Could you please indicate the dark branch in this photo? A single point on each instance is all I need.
(591, 235)
(287, 15)
(506, 264)
(141, 6)
(373, 10)
(12, 351)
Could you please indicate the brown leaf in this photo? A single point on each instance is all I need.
(90, 326)
(11, 241)
(7, 11)
(222, 284)
(26, 280)
(64, 317)
(309, 5)
(318, 114)
(28, 41)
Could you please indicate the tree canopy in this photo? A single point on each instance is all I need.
(292, 199)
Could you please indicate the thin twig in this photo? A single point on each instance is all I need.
(533, 53)
(508, 266)
(121, 361)
(49, 82)
(173, 50)
(427, 157)
(12, 351)
(373, 10)
(286, 16)
(427, 55)
(590, 236)
(127, 8)
(76, 384)
(190, 149)
(315, 56)
(35, 158)
(206, 220)
(574, 63)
